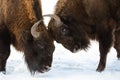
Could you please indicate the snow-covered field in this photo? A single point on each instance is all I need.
(66, 65)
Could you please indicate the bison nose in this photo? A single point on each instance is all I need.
(48, 68)
(45, 69)
(76, 48)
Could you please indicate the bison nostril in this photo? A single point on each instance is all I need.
(48, 68)
(45, 69)
(76, 47)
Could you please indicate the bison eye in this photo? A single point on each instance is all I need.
(64, 31)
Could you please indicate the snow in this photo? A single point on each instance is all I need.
(66, 65)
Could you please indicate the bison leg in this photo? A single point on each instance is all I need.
(4, 51)
(104, 47)
(105, 36)
(103, 56)
(117, 43)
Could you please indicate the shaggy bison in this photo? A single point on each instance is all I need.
(21, 24)
(76, 22)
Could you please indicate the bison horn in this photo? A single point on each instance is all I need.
(57, 19)
(35, 33)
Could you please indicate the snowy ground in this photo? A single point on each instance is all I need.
(66, 65)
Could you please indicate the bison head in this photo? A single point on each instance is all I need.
(68, 33)
(39, 49)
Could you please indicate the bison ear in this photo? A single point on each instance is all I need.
(57, 19)
(35, 30)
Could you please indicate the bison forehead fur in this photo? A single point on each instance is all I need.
(20, 26)
(83, 20)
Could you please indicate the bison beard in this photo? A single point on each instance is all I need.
(76, 22)
(21, 25)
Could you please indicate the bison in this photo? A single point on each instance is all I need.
(21, 24)
(76, 22)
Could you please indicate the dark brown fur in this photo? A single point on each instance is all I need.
(16, 20)
(82, 20)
